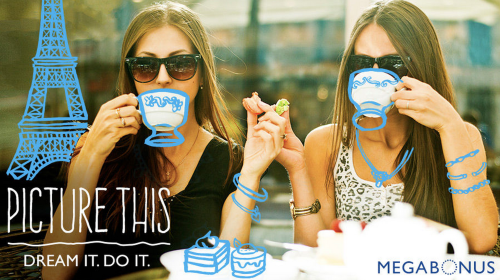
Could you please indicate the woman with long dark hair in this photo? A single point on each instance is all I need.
(165, 47)
(331, 170)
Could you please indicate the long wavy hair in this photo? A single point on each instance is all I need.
(133, 164)
(413, 35)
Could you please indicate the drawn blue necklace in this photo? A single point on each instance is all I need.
(382, 176)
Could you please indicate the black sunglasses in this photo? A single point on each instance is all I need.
(180, 67)
(393, 63)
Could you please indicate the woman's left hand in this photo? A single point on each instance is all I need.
(422, 103)
(264, 142)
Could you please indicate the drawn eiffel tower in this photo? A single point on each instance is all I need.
(44, 140)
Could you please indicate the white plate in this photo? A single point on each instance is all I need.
(275, 269)
(307, 262)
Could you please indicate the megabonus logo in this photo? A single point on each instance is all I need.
(447, 267)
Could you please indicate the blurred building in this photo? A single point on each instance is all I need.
(298, 46)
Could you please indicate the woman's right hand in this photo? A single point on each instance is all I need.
(108, 127)
(292, 154)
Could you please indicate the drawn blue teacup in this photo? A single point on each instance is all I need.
(370, 91)
(164, 111)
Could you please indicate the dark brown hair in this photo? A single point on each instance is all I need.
(413, 35)
(133, 164)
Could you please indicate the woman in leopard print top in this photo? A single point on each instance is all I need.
(331, 167)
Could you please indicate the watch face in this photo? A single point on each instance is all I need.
(315, 207)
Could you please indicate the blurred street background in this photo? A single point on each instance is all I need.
(281, 48)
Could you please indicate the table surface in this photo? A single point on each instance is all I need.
(158, 273)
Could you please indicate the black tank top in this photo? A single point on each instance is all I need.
(193, 212)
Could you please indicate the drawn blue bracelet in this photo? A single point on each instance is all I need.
(460, 159)
(248, 192)
(463, 176)
(458, 177)
(483, 167)
(471, 189)
(254, 214)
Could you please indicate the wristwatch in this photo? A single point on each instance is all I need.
(313, 209)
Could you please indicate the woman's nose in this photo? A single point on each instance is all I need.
(163, 76)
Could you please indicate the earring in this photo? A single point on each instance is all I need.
(201, 87)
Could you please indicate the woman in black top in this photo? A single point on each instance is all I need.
(193, 212)
(198, 173)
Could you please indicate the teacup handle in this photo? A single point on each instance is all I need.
(457, 240)
(138, 105)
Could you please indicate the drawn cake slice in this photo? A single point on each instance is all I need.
(248, 263)
(206, 258)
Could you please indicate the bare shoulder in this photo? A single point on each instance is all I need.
(318, 142)
(321, 136)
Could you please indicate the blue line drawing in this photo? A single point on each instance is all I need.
(460, 159)
(44, 140)
(247, 263)
(248, 192)
(206, 257)
(458, 177)
(151, 101)
(382, 176)
(188, 240)
(369, 80)
(483, 167)
(375, 108)
(89, 242)
(170, 117)
(471, 189)
(254, 214)
(463, 176)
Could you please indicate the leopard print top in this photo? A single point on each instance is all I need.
(358, 199)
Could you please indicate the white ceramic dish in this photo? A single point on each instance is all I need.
(275, 269)
(307, 262)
